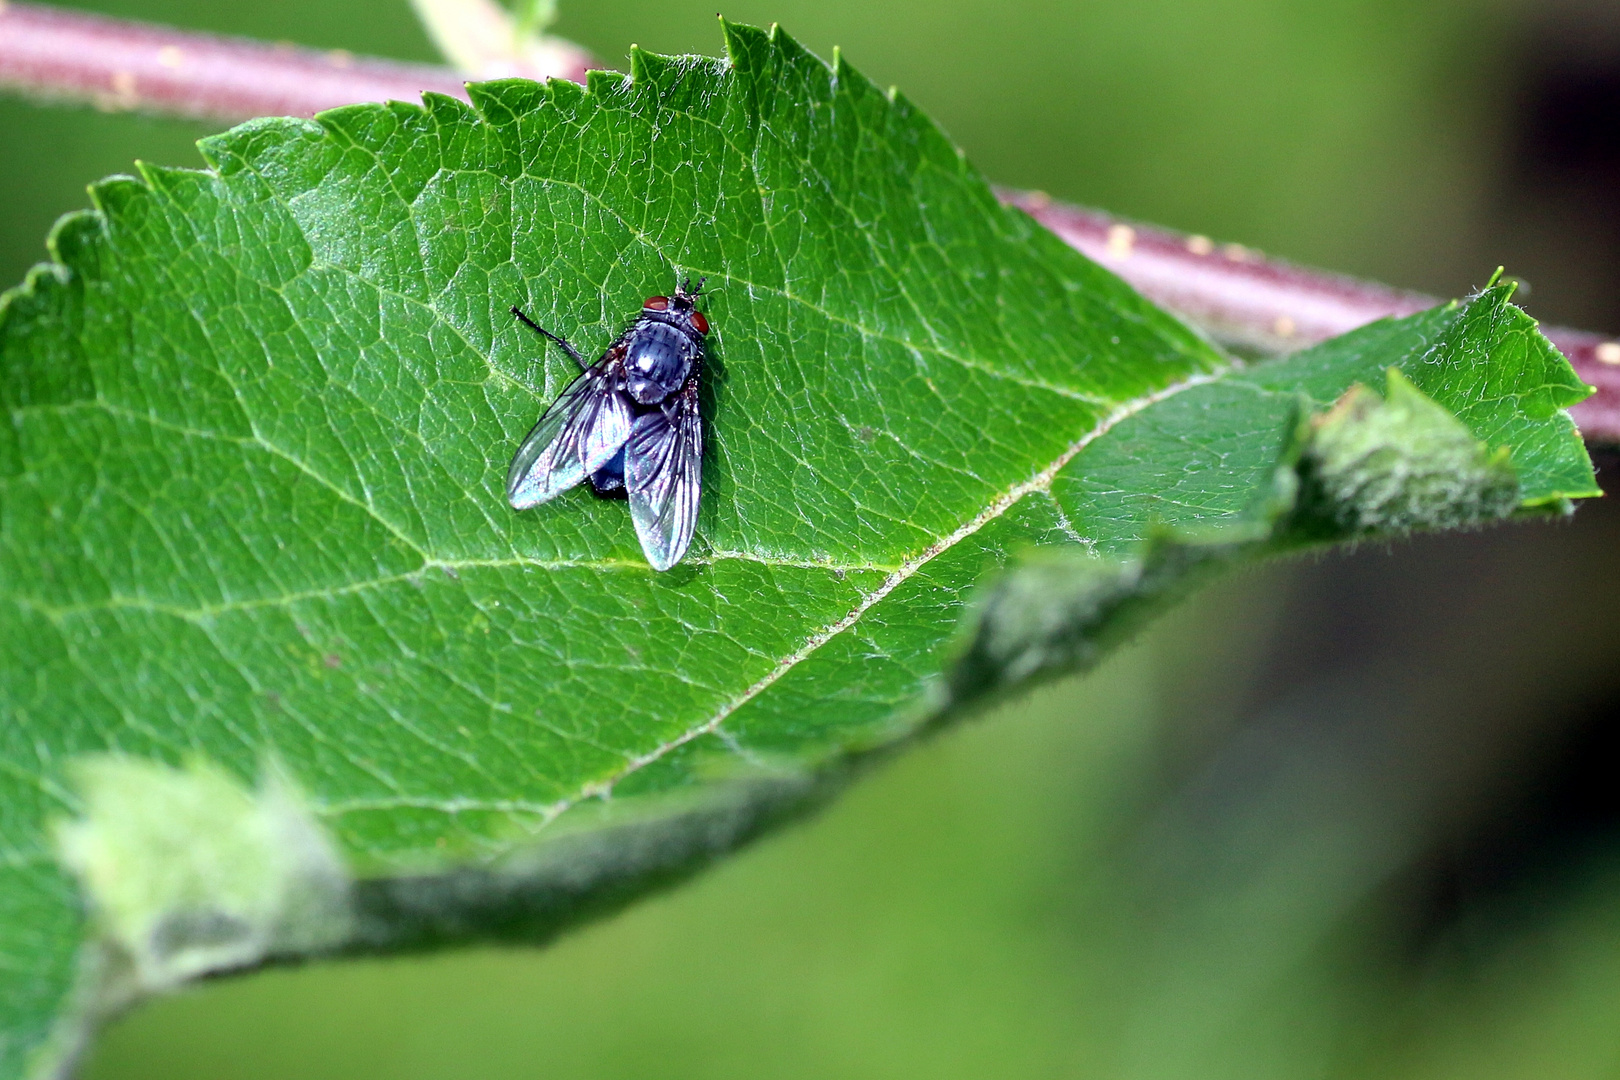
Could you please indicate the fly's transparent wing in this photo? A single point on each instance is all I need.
(582, 431)
(663, 470)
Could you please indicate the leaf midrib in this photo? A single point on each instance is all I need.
(1040, 482)
(602, 787)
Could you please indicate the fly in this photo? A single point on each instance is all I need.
(630, 424)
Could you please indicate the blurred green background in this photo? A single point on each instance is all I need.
(1342, 818)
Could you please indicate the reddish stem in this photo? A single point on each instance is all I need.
(114, 64)
(1236, 294)
(1244, 298)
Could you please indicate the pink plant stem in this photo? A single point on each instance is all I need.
(1234, 293)
(1244, 298)
(118, 65)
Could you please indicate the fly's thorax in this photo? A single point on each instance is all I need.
(657, 359)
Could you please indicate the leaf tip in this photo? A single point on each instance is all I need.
(739, 36)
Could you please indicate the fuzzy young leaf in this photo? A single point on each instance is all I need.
(253, 529)
(1367, 466)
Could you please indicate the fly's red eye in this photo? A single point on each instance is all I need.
(656, 303)
(700, 322)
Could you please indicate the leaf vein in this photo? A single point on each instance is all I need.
(1041, 481)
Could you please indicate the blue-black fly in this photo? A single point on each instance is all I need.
(630, 423)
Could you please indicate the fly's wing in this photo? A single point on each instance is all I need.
(663, 470)
(581, 432)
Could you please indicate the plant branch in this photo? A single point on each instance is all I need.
(1241, 297)
(117, 65)
(1234, 293)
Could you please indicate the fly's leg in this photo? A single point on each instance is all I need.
(543, 332)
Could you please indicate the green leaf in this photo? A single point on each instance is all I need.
(286, 675)
(1369, 466)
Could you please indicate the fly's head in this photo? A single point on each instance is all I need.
(679, 310)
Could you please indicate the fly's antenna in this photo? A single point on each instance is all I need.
(686, 289)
